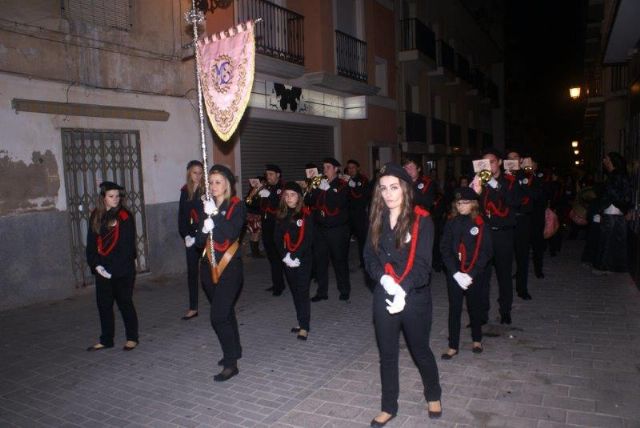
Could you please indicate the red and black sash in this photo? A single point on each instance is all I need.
(388, 269)
(463, 250)
(108, 241)
(293, 247)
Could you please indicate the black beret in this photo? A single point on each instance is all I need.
(310, 165)
(221, 169)
(194, 163)
(465, 194)
(292, 185)
(332, 161)
(272, 167)
(105, 186)
(353, 161)
(492, 151)
(395, 170)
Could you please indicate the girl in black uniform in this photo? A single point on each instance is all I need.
(224, 217)
(466, 250)
(111, 253)
(188, 219)
(397, 255)
(293, 237)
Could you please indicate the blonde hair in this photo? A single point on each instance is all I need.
(228, 191)
(194, 191)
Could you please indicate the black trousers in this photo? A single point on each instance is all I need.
(503, 262)
(332, 243)
(415, 321)
(359, 224)
(299, 279)
(193, 258)
(119, 290)
(277, 274)
(521, 246)
(223, 297)
(537, 241)
(474, 309)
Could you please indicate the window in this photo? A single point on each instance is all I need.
(111, 14)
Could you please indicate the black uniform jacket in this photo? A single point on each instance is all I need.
(228, 224)
(188, 217)
(294, 234)
(114, 248)
(500, 204)
(269, 205)
(410, 266)
(466, 245)
(331, 207)
(359, 193)
(617, 192)
(424, 192)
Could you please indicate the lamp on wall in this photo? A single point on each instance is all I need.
(574, 144)
(574, 92)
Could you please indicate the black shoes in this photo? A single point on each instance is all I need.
(477, 349)
(434, 414)
(448, 355)
(226, 374)
(505, 319)
(295, 329)
(344, 297)
(130, 345)
(303, 334)
(317, 298)
(98, 347)
(524, 296)
(221, 362)
(377, 424)
(188, 317)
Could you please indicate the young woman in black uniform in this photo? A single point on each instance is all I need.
(466, 251)
(223, 216)
(397, 256)
(111, 253)
(188, 219)
(293, 237)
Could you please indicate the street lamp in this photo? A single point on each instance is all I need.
(574, 144)
(574, 92)
(576, 152)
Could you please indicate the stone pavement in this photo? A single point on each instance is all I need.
(571, 358)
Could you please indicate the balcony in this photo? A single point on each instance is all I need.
(415, 127)
(445, 63)
(279, 37)
(438, 131)
(351, 57)
(417, 43)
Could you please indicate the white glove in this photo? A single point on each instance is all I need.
(295, 263)
(287, 259)
(352, 183)
(391, 287)
(493, 183)
(397, 305)
(324, 184)
(103, 272)
(210, 207)
(463, 280)
(264, 193)
(189, 241)
(596, 218)
(207, 226)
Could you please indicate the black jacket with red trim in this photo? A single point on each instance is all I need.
(424, 192)
(269, 205)
(331, 207)
(500, 204)
(114, 248)
(466, 245)
(359, 193)
(376, 262)
(294, 234)
(228, 224)
(188, 217)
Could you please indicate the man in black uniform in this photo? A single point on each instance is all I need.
(330, 205)
(359, 199)
(423, 186)
(268, 198)
(499, 198)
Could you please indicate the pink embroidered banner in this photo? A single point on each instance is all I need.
(227, 65)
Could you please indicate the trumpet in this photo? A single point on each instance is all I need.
(485, 176)
(252, 194)
(313, 183)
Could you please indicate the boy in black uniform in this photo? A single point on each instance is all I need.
(424, 189)
(359, 198)
(499, 198)
(269, 201)
(330, 204)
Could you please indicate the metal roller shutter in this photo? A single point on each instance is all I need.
(288, 145)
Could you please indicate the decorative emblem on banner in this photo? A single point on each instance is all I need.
(226, 71)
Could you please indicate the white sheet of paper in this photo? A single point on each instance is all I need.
(481, 164)
(254, 182)
(511, 164)
(311, 172)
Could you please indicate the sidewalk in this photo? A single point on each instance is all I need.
(571, 358)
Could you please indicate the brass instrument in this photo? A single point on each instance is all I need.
(485, 176)
(252, 194)
(313, 183)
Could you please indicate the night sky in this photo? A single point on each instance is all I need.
(544, 45)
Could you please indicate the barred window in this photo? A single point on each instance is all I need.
(106, 13)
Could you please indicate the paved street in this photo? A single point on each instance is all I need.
(571, 358)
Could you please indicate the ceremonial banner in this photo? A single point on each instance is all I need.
(227, 64)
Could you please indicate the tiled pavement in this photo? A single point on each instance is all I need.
(571, 358)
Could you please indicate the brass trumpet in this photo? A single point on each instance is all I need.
(485, 176)
(313, 183)
(252, 194)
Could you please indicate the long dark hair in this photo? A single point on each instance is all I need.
(379, 207)
(283, 208)
(99, 213)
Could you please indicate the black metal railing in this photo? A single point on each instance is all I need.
(463, 68)
(281, 32)
(351, 54)
(455, 135)
(446, 56)
(438, 131)
(619, 79)
(416, 35)
(416, 126)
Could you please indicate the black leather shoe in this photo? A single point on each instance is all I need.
(98, 347)
(377, 424)
(344, 297)
(434, 414)
(477, 349)
(226, 374)
(524, 296)
(295, 329)
(302, 334)
(188, 317)
(505, 319)
(221, 362)
(448, 356)
(317, 298)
